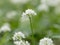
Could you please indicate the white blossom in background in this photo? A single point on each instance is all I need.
(19, 1)
(46, 41)
(43, 7)
(50, 2)
(21, 42)
(57, 10)
(23, 14)
(11, 14)
(43, 1)
(24, 19)
(53, 2)
(45, 4)
(29, 12)
(5, 27)
(18, 36)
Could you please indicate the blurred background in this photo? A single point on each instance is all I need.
(45, 24)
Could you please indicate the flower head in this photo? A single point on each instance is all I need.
(18, 36)
(46, 41)
(21, 42)
(18, 39)
(5, 27)
(29, 12)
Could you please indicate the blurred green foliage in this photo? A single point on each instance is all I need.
(45, 24)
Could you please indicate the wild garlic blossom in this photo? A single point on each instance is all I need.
(18, 39)
(29, 12)
(5, 27)
(18, 36)
(21, 42)
(46, 41)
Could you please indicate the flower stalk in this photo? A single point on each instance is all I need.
(30, 19)
(31, 25)
(29, 13)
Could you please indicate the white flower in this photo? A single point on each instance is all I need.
(24, 19)
(27, 43)
(5, 27)
(21, 42)
(50, 2)
(53, 2)
(19, 1)
(11, 14)
(24, 14)
(29, 12)
(43, 7)
(18, 39)
(18, 36)
(46, 41)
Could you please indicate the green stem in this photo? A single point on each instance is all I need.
(31, 30)
(31, 25)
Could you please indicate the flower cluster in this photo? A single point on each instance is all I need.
(29, 12)
(5, 27)
(21, 43)
(18, 39)
(26, 14)
(46, 41)
(18, 36)
(45, 4)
